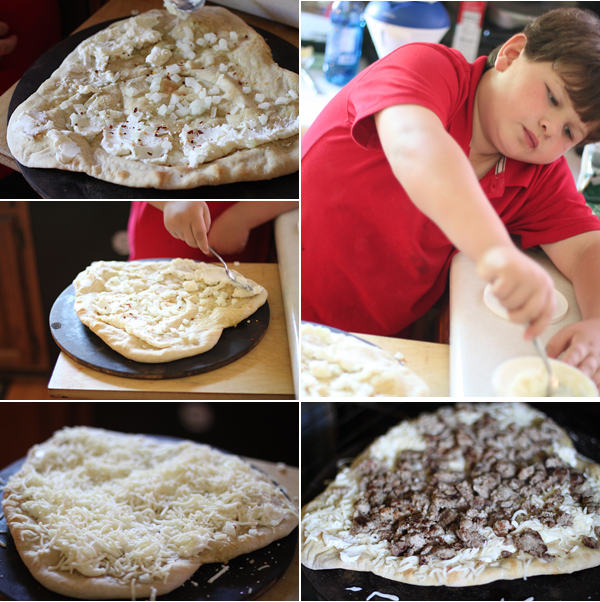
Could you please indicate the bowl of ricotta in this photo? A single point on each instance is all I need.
(527, 377)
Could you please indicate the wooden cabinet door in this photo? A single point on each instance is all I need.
(22, 335)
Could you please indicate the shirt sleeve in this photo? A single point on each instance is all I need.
(553, 210)
(421, 74)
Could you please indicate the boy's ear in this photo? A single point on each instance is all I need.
(510, 51)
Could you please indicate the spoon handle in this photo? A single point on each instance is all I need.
(540, 349)
(552, 380)
(230, 273)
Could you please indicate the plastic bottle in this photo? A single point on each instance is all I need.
(344, 42)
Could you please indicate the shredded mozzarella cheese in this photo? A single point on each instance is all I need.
(129, 507)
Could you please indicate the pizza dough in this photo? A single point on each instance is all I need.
(465, 496)
(157, 101)
(160, 311)
(338, 365)
(101, 515)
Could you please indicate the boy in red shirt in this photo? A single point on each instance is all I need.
(237, 230)
(424, 154)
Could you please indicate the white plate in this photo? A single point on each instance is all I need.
(492, 303)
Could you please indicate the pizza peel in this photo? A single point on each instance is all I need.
(62, 184)
(333, 584)
(245, 579)
(82, 345)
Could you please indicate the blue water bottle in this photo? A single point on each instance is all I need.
(344, 42)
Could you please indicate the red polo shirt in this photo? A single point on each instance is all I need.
(149, 239)
(371, 261)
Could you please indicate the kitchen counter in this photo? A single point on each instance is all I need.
(287, 240)
(115, 9)
(479, 339)
(427, 360)
(263, 373)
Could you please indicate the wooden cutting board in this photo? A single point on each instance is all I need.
(430, 361)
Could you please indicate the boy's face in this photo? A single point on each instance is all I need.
(530, 117)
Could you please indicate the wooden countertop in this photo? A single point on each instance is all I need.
(264, 373)
(121, 8)
(428, 360)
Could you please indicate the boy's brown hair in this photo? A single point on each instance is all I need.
(569, 38)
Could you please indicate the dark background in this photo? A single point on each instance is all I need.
(261, 430)
(333, 431)
(69, 236)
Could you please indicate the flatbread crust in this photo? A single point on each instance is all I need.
(101, 112)
(339, 365)
(143, 310)
(42, 559)
(328, 544)
(76, 585)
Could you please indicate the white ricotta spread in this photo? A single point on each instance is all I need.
(163, 304)
(33, 123)
(210, 143)
(181, 101)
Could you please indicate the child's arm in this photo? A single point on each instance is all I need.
(578, 258)
(441, 182)
(230, 231)
(187, 220)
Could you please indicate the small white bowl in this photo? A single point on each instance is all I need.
(527, 377)
(492, 303)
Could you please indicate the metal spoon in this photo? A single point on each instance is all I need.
(231, 275)
(554, 389)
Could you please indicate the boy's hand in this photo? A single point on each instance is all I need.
(188, 221)
(229, 233)
(581, 343)
(521, 285)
